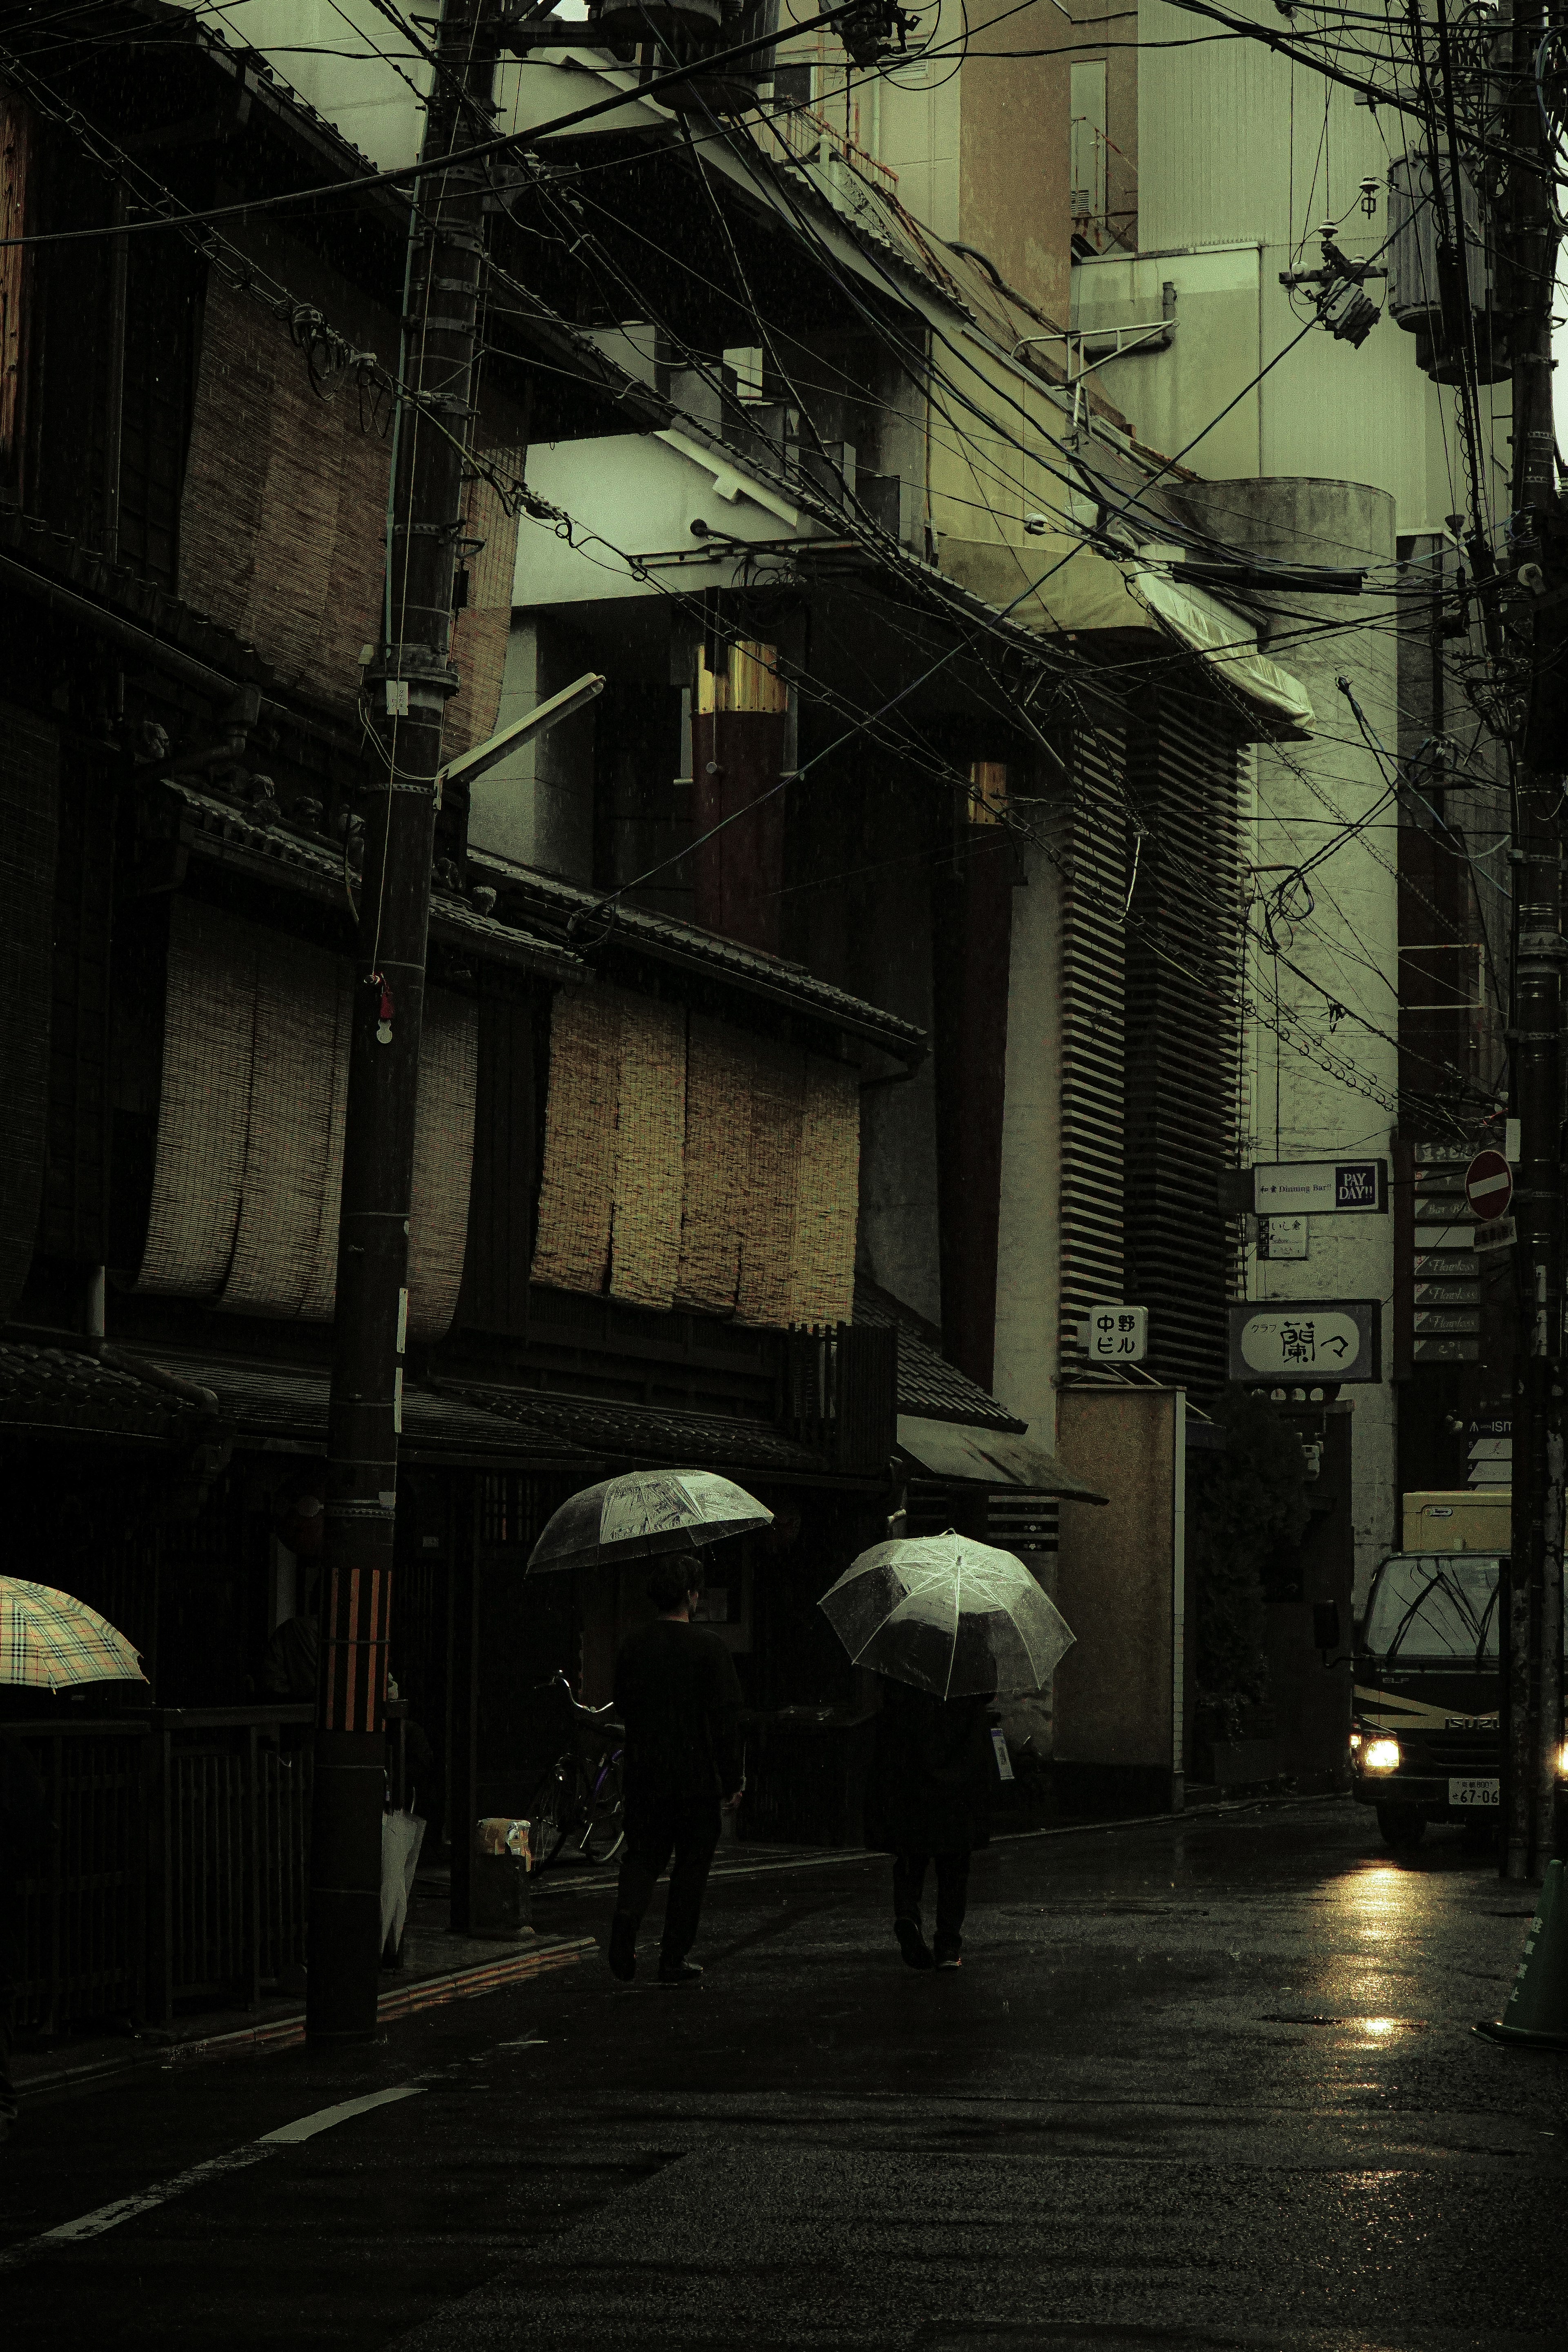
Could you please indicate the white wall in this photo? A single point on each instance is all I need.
(1344, 953)
(537, 804)
(1237, 149)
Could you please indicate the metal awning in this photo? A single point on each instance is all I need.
(988, 1457)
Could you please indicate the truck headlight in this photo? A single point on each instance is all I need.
(1380, 1756)
(1562, 1761)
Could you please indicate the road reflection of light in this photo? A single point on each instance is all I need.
(1374, 1916)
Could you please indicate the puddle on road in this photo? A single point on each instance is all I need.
(1379, 2027)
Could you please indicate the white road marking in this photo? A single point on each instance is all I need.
(125, 2209)
(291, 2135)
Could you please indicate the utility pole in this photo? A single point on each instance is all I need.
(1530, 1603)
(413, 678)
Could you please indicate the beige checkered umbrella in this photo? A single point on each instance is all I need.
(50, 1641)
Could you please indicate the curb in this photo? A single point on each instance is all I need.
(288, 2032)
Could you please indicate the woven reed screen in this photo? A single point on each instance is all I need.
(283, 1182)
(320, 1301)
(717, 1149)
(650, 1149)
(577, 1186)
(827, 1191)
(764, 1282)
(687, 1164)
(247, 1173)
(203, 1109)
(443, 1161)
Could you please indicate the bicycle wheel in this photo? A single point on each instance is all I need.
(554, 1811)
(606, 1825)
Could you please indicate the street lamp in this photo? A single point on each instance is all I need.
(477, 762)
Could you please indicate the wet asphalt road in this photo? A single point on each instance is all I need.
(1209, 2084)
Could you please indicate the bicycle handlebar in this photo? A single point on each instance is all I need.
(558, 1680)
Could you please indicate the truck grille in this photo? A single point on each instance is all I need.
(1454, 1751)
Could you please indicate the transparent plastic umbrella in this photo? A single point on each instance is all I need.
(643, 1512)
(949, 1616)
(50, 1641)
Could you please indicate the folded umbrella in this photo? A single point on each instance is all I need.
(643, 1512)
(949, 1616)
(50, 1641)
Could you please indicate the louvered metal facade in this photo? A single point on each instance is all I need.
(1151, 1053)
(1093, 849)
(1184, 1030)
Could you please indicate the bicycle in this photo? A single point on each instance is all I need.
(579, 1793)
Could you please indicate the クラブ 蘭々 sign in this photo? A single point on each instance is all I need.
(1304, 1342)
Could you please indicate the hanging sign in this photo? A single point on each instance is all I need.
(1305, 1342)
(1320, 1188)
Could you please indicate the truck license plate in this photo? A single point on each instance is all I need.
(1475, 1792)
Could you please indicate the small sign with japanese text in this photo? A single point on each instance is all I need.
(1118, 1335)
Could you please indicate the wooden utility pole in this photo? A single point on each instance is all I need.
(1531, 1604)
(411, 681)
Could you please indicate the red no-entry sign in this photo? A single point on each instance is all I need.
(1488, 1185)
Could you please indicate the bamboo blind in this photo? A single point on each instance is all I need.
(765, 1279)
(577, 1192)
(319, 1300)
(203, 1109)
(826, 1195)
(689, 1165)
(287, 1136)
(717, 1149)
(443, 1161)
(651, 1148)
(247, 1174)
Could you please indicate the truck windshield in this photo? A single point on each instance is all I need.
(1435, 1605)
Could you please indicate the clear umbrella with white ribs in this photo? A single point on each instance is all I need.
(643, 1512)
(949, 1616)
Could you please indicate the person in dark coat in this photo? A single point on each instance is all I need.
(679, 1696)
(928, 1796)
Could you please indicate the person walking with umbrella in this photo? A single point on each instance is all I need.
(929, 1799)
(947, 1623)
(677, 1692)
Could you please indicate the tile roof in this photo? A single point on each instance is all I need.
(653, 1434)
(289, 1403)
(69, 1390)
(670, 940)
(508, 1424)
(247, 841)
(928, 1384)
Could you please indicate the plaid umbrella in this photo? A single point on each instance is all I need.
(49, 1641)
